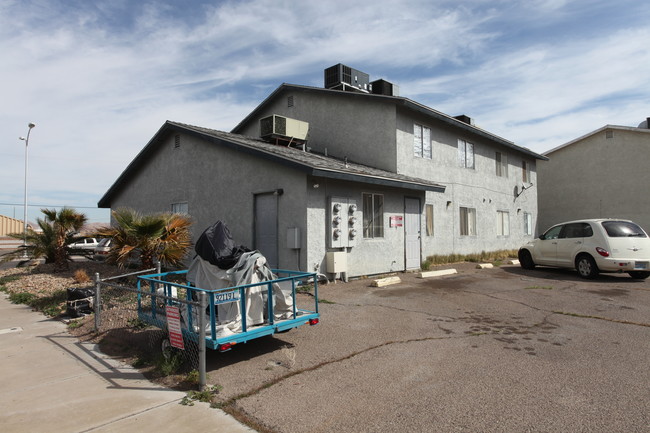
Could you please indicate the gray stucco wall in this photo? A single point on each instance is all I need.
(340, 123)
(369, 256)
(597, 177)
(381, 135)
(217, 183)
(478, 188)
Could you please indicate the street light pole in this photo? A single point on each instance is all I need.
(30, 125)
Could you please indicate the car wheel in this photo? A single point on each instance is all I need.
(639, 275)
(586, 267)
(526, 260)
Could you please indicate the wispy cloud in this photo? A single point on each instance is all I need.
(99, 78)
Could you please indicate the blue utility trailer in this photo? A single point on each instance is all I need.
(152, 306)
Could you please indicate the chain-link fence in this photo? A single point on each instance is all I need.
(145, 323)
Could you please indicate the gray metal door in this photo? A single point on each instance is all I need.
(412, 232)
(266, 227)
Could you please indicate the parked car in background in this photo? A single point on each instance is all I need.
(102, 249)
(591, 246)
(83, 246)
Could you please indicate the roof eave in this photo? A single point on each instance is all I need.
(375, 180)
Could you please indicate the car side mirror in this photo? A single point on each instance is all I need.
(542, 237)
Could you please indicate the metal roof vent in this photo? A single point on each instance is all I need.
(465, 119)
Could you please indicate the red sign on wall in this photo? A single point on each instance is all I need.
(396, 221)
(174, 327)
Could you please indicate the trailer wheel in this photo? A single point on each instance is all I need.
(166, 348)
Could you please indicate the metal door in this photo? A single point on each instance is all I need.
(266, 227)
(412, 232)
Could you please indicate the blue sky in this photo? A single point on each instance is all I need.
(100, 77)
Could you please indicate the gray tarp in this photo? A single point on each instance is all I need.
(250, 268)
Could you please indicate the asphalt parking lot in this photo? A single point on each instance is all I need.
(492, 350)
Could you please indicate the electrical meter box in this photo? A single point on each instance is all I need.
(337, 261)
(293, 238)
(344, 222)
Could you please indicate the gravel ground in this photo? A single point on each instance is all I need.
(41, 280)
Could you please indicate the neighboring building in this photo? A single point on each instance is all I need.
(417, 182)
(603, 174)
(11, 225)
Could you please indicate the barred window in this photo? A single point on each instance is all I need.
(373, 216)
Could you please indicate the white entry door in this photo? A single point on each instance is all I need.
(412, 232)
(266, 227)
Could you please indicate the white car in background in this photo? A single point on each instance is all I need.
(591, 246)
(86, 245)
(102, 249)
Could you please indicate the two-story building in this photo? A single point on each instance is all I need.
(345, 181)
(602, 174)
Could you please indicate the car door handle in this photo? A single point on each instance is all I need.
(578, 242)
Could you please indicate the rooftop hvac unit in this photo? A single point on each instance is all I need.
(465, 119)
(274, 126)
(383, 87)
(341, 77)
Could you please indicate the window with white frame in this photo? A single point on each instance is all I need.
(525, 171)
(465, 154)
(421, 141)
(428, 213)
(467, 221)
(528, 224)
(503, 223)
(181, 208)
(373, 216)
(502, 164)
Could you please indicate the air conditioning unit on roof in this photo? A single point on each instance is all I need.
(274, 127)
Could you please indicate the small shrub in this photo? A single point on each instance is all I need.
(137, 324)
(140, 362)
(192, 377)
(168, 365)
(81, 276)
(205, 396)
(21, 298)
(75, 324)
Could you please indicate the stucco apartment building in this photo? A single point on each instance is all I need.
(370, 182)
(603, 174)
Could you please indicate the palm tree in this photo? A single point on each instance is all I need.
(58, 229)
(164, 237)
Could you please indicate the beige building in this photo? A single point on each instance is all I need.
(603, 174)
(10, 225)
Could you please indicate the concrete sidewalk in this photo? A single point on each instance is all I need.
(49, 381)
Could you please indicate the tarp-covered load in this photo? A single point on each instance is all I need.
(220, 264)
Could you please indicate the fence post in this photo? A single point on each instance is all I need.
(202, 306)
(98, 300)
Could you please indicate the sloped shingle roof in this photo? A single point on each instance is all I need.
(310, 163)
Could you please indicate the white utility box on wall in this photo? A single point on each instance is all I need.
(337, 262)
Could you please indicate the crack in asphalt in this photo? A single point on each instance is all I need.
(230, 407)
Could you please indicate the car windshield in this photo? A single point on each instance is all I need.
(104, 242)
(623, 229)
